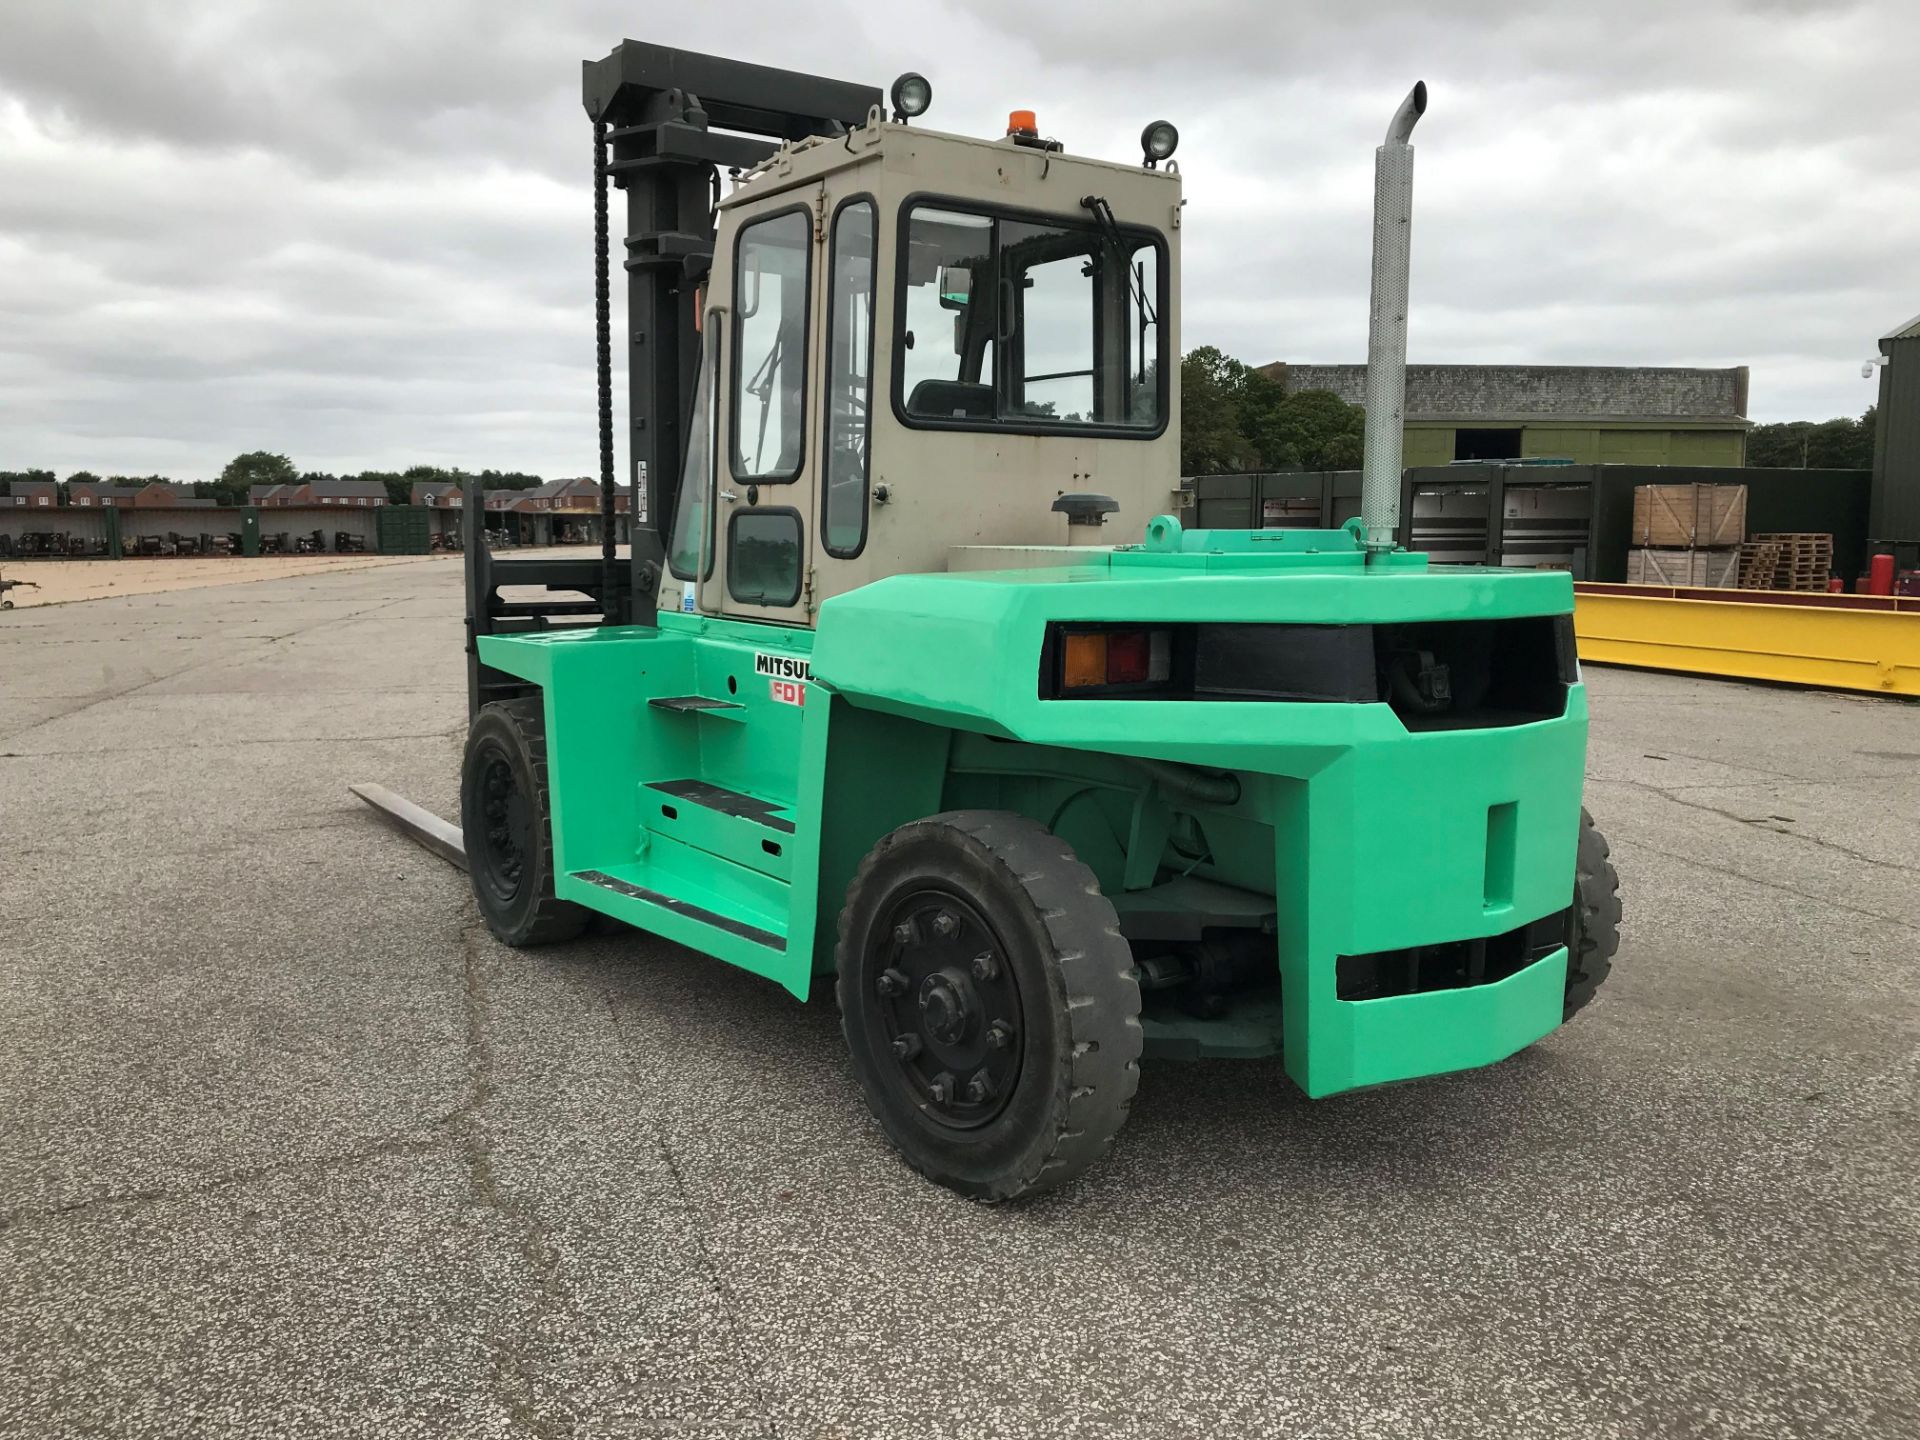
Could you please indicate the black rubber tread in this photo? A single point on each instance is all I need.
(1091, 987)
(541, 918)
(1596, 910)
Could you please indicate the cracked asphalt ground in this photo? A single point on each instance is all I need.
(288, 1145)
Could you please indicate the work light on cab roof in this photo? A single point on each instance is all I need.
(1158, 142)
(911, 95)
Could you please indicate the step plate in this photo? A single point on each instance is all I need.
(727, 802)
(692, 703)
(682, 908)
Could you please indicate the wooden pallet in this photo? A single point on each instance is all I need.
(1759, 563)
(1805, 559)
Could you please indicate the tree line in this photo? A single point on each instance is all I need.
(1233, 418)
(1840, 444)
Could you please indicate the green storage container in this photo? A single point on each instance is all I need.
(404, 529)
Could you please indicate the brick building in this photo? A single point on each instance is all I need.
(364, 494)
(581, 494)
(101, 494)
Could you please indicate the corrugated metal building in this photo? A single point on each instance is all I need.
(1589, 414)
(1895, 516)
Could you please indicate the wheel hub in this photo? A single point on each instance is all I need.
(507, 816)
(948, 1007)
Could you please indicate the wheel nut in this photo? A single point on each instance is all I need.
(980, 1087)
(985, 967)
(1000, 1035)
(903, 933)
(906, 1046)
(942, 1088)
(891, 982)
(944, 924)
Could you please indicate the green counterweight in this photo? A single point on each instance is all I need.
(1350, 835)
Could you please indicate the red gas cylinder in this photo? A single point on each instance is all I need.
(1880, 575)
(1836, 585)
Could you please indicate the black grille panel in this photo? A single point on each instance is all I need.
(1422, 969)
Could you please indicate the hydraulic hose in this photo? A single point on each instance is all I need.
(1186, 782)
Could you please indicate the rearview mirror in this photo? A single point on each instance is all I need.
(956, 287)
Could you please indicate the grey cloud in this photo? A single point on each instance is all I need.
(360, 231)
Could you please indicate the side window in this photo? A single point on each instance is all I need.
(950, 316)
(763, 557)
(1050, 369)
(1142, 399)
(770, 346)
(843, 497)
(1020, 324)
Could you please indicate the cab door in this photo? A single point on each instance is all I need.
(766, 448)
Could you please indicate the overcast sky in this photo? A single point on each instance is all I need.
(360, 233)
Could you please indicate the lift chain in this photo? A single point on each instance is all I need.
(610, 592)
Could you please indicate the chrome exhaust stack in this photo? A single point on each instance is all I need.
(1387, 324)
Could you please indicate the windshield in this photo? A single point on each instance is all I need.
(696, 472)
(1017, 323)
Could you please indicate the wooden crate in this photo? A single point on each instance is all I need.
(1806, 559)
(1710, 569)
(1710, 517)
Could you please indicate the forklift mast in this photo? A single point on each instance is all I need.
(665, 122)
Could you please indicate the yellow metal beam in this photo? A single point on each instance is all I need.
(1835, 647)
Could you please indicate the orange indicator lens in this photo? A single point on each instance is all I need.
(1086, 660)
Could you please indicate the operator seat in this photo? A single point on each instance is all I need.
(951, 399)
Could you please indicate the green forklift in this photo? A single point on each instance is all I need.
(912, 686)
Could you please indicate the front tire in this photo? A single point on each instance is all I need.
(506, 821)
(989, 1003)
(1593, 928)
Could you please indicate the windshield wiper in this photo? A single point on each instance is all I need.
(1103, 216)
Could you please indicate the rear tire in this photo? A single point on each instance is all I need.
(1593, 929)
(506, 820)
(989, 1003)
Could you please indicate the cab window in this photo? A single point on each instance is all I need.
(770, 346)
(691, 539)
(1009, 322)
(764, 557)
(843, 496)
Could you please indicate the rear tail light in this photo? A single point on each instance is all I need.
(1097, 659)
(1512, 671)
